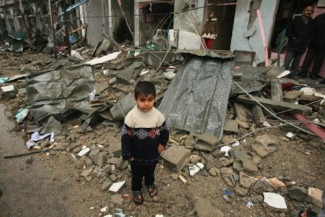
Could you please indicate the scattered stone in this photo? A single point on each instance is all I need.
(106, 185)
(276, 183)
(257, 198)
(264, 145)
(174, 176)
(87, 172)
(176, 157)
(214, 171)
(225, 161)
(245, 180)
(117, 199)
(227, 139)
(316, 193)
(297, 193)
(231, 126)
(8, 92)
(113, 177)
(241, 191)
(204, 208)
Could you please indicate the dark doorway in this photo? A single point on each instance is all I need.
(224, 11)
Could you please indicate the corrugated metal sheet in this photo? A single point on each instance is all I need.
(197, 98)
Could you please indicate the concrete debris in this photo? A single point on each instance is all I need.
(204, 208)
(176, 157)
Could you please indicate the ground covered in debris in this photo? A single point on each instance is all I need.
(261, 161)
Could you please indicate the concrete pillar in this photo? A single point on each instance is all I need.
(136, 23)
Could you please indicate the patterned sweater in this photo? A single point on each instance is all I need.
(142, 132)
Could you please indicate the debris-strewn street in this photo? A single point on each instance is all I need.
(239, 87)
(262, 164)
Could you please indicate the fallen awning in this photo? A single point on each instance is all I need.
(197, 98)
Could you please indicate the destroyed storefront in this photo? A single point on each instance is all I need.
(36, 22)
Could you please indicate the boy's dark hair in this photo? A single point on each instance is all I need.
(144, 87)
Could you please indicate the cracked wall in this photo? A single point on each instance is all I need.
(246, 31)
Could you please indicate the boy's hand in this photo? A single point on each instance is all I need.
(160, 148)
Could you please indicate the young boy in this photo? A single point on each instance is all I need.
(144, 137)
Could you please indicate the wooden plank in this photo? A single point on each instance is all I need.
(276, 104)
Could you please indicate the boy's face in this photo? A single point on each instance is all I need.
(145, 102)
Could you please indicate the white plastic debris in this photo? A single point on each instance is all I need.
(84, 150)
(195, 168)
(169, 75)
(77, 55)
(115, 187)
(30, 143)
(283, 74)
(290, 135)
(104, 209)
(105, 71)
(308, 91)
(159, 215)
(21, 115)
(37, 137)
(144, 71)
(275, 200)
(225, 149)
(109, 215)
(235, 144)
(249, 204)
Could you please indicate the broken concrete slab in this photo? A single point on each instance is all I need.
(292, 96)
(276, 104)
(207, 138)
(245, 180)
(231, 126)
(127, 75)
(122, 107)
(264, 145)
(8, 92)
(176, 157)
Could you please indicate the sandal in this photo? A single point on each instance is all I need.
(137, 197)
(152, 190)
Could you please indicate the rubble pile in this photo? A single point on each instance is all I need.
(251, 166)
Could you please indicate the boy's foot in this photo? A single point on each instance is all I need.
(152, 190)
(137, 197)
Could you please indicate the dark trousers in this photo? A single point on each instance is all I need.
(317, 56)
(139, 172)
(294, 57)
